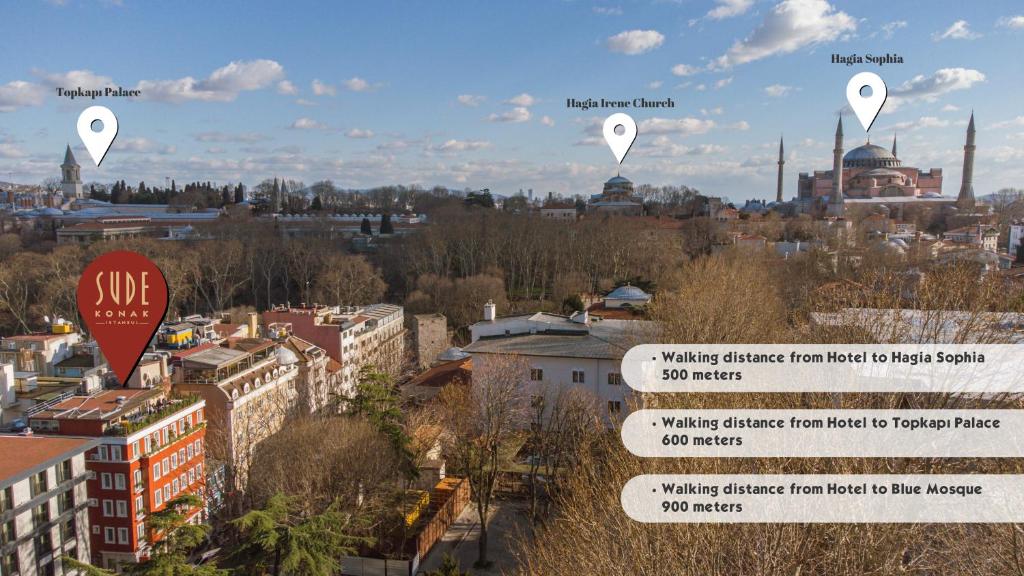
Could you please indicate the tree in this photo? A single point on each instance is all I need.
(365, 227)
(385, 224)
(316, 205)
(482, 422)
(239, 193)
(449, 567)
(482, 199)
(378, 399)
(279, 539)
(348, 280)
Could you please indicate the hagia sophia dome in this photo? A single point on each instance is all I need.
(870, 156)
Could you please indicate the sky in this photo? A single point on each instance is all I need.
(472, 95)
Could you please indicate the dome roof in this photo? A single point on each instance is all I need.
(618, 180)
(871, 156)
(286, 357)
(628, 292)
(452, 353)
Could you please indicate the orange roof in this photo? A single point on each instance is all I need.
(24, 455)
(224, 330)
(190, 351)
(34, 337)
(98, 405)
(444, 374)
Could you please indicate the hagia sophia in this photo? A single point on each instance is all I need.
(871, 175)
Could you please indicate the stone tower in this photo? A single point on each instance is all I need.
(894, 145)
(965, 201)
(782, 161)
(71, 177)
(835, 199)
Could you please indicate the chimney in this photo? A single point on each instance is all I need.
(253, 328)
(490, 311)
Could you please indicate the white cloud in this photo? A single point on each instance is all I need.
(84, 79)
(684, 70)
(223, 85)
(323, 89)
(716, 111)
(723, 83)
(359, 133)
(889, 28)
(245, 137)
(922, 122)
(742, 126)
(547, 121)
(470, 100)
(654, 85)
(789, 26)
(142, 146)
(685, 126)
(357, 84)
(729, 8)
(286, 87)
(635, 42)
(929, 88)
(304, 102)
(461, 146)
(1018, 121)
(959, 30)
(18, 94)
(307, 124)
(777, 90)
(700, 87)
(523, 99)
(8, 150)
(515, 115)
(608, 10)
(1015, 22)
(950, 108)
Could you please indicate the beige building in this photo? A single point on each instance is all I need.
(250, 388)
(44, 504)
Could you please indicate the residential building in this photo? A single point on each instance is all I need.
(249, 385)
(150, 450)
(979, 236)
(559, 352)
(353, 336)
(1016, 238)
(44, 504)
(39, 352)
(318, 373)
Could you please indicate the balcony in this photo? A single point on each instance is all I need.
(139, 421)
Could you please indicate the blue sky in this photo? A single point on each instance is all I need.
(472, 94)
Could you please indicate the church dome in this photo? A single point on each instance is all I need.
(618, 180)
(870, 156)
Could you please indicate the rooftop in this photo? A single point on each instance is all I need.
(22, 456)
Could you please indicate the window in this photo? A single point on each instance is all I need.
(115, 453)
(105, 480)
(64, 471)
(7, 533)
(41, 515)
(156, 471)
(174, 461)
(149, 444)
(140, 531)
(199, 470)
(158, 498)
(137, 476)
(167, 466)
(39, 484)
(614, 407)
(177, 486)
(67, 529)
(119, 481)
(108, 508)
(184, 480)
(181, 456)
(122, 535)
(191, 477)
(122, 508)
(191, 451)
(139, 504)
(6, 499)
(614, 379)
(66, 501)
(199, 446)
(135, 449)
(536, 374)
(167, 435)
(167, 492)
(101, 453)
(578, 377)
(108, 535)
(9, 562)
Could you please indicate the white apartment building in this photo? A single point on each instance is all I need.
(556, 352)
(44, 504)
(1016, 237)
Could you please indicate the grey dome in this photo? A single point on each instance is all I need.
(451, 354)
(286, 357)
(628, 292)
(870, 156)
(618, 180)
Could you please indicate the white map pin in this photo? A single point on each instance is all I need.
(619, 143)
(97, 143)
(866, 107)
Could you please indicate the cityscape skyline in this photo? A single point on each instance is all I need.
(481, 101)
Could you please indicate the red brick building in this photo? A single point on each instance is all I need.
(151, 451)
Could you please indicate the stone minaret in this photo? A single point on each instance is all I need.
(71, 177)
(894, 145)
(835, 200)
(965, 201)
(782, 161)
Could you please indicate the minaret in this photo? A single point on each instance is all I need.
(894, 155)
(71, 177)
(782, 161)
(835, 200)
(965, 201)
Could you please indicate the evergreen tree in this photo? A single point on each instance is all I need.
(365, 227)
(449, 567)
(316, 206)
(239, 194)
(225, 196)
(385, 224)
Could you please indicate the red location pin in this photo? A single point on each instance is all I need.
(122, 298)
